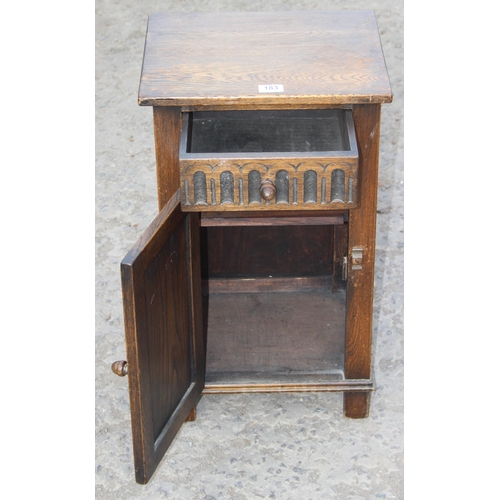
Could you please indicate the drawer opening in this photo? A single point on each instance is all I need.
(268, 160)
(274, 307)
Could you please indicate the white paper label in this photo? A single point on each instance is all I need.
(271, 88)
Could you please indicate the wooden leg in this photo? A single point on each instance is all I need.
(192, 415)
(361, 260)
(356, 404)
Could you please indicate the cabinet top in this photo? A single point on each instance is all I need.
(263, 59)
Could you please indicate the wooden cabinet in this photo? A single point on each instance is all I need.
(257, 273)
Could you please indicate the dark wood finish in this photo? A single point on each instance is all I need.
(163, 347)
(281, 251)
(296, 169)
(167, 129)
(194, 279)
(175, 335)
(267, 190)
(252, 285)
(219, 59)
(120, 368)
(297, 214)
(362, 225)
(271, 221)
(276, 333)
(356, 404)
(271, 107)
(207, 193)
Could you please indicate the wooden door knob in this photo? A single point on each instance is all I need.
(120, 368)
(267, 190)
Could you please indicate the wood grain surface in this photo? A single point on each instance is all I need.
(220, 58)
(362, 227)
(163, 329)
(356, 404)
(271, 221)
(296, 170)
(332, 130)
(167, 130)
(277, 333)
(263, 251)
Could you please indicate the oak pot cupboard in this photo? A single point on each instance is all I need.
(257, 273)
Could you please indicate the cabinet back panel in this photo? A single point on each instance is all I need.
(251, 252)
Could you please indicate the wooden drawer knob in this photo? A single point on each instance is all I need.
(120, 368)
(267, 190)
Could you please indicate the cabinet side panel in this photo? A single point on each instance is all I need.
(362, 226)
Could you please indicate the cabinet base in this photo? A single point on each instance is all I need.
(349, 387)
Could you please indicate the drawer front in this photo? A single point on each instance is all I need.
(277, 180)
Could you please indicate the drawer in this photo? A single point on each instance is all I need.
(268, 160)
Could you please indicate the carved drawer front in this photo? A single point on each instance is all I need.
(268, 160)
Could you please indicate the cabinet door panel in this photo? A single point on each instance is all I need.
(163, 328)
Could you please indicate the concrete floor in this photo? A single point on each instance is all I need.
(283, 446)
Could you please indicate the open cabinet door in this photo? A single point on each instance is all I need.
(164, 332)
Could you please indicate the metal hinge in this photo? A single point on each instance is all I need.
(357, 259)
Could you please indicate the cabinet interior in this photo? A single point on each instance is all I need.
(274, 309)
